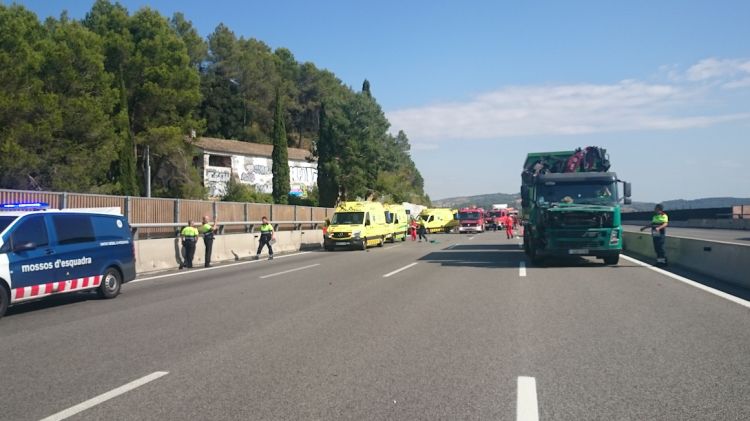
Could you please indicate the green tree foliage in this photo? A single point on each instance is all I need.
(280, 155)
(238, 192)
(82, 100)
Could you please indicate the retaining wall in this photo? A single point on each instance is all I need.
(165, 253)
(726, 262)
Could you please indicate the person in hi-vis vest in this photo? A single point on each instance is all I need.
(266, 235)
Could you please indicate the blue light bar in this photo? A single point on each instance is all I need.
(24, 206)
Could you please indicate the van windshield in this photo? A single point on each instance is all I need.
(348, 218)
(5, 221)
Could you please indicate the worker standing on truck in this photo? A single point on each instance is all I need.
(266, 235)
(658, 226)
(208, 230)
(189, 236)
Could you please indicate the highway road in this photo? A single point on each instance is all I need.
(457, 329)
(730, 236)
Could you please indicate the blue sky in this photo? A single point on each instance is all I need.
(664, 86)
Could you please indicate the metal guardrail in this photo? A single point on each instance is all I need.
(249, 225)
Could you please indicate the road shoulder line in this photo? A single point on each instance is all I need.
(690, 282)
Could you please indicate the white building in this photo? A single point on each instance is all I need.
(250, 163)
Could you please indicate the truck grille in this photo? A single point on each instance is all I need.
(579, 244)
(581, 219)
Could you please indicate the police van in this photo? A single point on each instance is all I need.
(47, 252)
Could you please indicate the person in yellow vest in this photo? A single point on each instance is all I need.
(189, 236)
(658, 226)
(266, 235)
(208, 230)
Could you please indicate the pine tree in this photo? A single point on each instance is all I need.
(366, 88)
(280, 155)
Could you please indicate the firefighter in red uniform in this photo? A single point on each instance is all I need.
(509, 226)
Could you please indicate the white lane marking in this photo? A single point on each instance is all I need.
(522, 269)
(527, 408)
(289, 271)
(690, 282)
(168, 275)
(73, 410)
(471, 238)
(451, 247)
(394, 246)
(399, 270)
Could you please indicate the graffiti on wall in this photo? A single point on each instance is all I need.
(257, 171)
(215, 179)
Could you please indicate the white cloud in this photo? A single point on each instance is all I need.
(712, 68)
(579, 108)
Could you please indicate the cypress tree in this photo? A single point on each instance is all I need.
(327, 185)
(366, 88)
(280, 155)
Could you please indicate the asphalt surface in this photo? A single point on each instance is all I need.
(324, 336)
(731, 236)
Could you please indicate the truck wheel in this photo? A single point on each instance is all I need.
(612, 260)
(111, 284)
(536, 259)
(4, 300)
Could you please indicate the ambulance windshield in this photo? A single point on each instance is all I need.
(348, 218)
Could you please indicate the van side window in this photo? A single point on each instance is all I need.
(71, 229)
(31, 230)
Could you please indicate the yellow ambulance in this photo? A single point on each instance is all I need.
(357, 225)
(398, 222)
(439, 219)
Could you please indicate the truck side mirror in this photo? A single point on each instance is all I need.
(627, 201)
(626, 187)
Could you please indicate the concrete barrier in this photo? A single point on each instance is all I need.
(164, 253)
(726, 262)
(728, 224)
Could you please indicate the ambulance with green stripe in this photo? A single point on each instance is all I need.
(357, 225)
(398, 222)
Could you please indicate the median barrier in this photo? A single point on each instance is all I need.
(728, 224)
(723, 261)
(165, 253)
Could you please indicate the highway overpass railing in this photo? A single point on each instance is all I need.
(161, 217)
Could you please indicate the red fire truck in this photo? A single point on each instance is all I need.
(471, 220)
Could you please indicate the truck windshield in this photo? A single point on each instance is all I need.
(348, 218)
(580, 193)
(469, 215)
(5, 221)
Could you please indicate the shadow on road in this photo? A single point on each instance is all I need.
(485, 247)
(491, 258)
(52, 302)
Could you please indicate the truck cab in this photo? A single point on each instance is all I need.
(573, 214)
(471, 220)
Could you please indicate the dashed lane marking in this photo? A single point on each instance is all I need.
(289, 271)
(527, 408)
(399, 270)
(522, 269)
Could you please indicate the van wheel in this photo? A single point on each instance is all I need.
(404, 237)
(111, 284)
(4, 300)
(382, 241)
(364, 244)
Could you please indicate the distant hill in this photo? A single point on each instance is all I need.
(708, 202)
(482, 201)
(487, 200)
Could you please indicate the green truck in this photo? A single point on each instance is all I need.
(571, 205)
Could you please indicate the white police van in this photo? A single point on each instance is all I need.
(48, 252)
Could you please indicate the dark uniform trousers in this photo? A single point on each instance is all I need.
(208, 241)
(188, 248)
(265, 240)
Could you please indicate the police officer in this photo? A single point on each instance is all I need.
(266, 235)
(209, 231)
(189, 236)
(658, 226)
